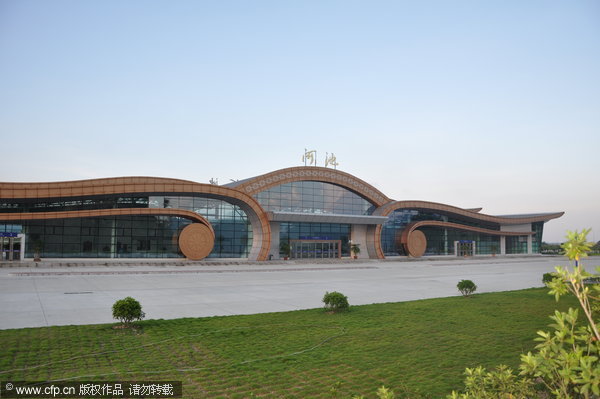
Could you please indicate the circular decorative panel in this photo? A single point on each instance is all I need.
(196, 241)
(417, 244)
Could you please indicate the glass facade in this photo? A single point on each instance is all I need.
(104, 237)
(516, 245)
(127, 236)
(233, 232)
(314, 197)
(74, 203)
(440, 240)
(538, 229)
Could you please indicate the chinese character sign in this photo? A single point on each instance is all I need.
(309, 157)
(331, 160)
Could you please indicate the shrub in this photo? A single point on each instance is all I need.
(547, 277)
(466, 287)
(335, 301)
(127, 310)
(286, 249)
(499, 383)
(355, 249)
(382, 393)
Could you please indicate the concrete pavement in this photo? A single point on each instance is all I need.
(59, 295)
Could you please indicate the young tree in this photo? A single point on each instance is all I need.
(567, 360)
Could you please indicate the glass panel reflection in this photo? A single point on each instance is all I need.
(314, 197)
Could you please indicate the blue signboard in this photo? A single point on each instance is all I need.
(3, 234)
(314, 238)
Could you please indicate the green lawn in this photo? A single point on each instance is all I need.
(411, 347)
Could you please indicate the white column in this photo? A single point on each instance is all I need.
(445, 241)
(22, 237)
(358, 234)
(274, 250)
(529, 244)
(502, 245)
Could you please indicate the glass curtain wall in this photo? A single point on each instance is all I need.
(440, 241)
(128, 236)
(105, 237)
(538, 229)
(516, 245)
(313, 197)
(316, 198)
(233, 231)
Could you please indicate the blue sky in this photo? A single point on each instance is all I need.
(471, 103)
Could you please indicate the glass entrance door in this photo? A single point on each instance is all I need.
(11, 248)
(316, 249)
(465, 248)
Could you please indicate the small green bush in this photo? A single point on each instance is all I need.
(466, 287)
(335, 301)
(127, 310)
(547, 277)
(498, 383)
(382, 393)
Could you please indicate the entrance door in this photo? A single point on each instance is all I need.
(11, 248)
(464, 248)
(316, 249)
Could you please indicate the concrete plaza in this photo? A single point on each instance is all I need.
(84, 294)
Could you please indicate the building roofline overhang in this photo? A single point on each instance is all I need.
(277, 216)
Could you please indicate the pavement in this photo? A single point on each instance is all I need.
(83, 292)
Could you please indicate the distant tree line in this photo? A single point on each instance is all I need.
(555, 249)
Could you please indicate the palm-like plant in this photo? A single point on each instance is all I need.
(577, 246)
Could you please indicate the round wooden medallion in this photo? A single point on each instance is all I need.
(196, 241)
(417, 243)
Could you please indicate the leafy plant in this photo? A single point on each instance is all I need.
(577, 246)
(466, 287)
(286, 249)
(38, 245)
(355, 248)
(547, 277)
(127, 310)
(495, 384)
(385, 393)
(494, 249)
(335, 301)
(567, 360)
(382, 393)
(334, 390)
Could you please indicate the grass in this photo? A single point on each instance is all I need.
(415, 348)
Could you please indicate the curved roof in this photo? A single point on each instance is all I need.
(260, 183)
(110, 185)
(466, 213)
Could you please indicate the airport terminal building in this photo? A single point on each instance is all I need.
(298, 212)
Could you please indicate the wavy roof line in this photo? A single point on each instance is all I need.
(260, 183)
(449, 209)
